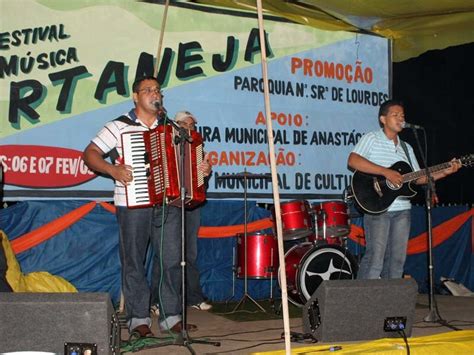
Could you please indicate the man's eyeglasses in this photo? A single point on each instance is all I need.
(149, 91)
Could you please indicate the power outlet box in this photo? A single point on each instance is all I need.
(80, 349)
(394, 324)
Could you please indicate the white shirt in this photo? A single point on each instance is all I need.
(110, 137)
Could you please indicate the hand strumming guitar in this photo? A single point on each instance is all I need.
(393, 177)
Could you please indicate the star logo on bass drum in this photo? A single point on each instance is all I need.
(330, 270)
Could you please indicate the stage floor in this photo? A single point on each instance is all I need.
(262, 336)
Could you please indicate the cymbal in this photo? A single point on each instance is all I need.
(244, 175)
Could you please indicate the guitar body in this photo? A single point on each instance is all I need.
(374, 194)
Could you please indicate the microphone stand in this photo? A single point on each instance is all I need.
(183, 339)
(433, 314)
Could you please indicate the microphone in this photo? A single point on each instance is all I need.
(175, 124)
(159, 106)
(410, 125)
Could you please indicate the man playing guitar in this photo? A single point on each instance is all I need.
(387, 229)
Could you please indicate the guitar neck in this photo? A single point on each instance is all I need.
(421, 173)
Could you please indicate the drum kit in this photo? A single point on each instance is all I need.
(318, 233)
(316, 237)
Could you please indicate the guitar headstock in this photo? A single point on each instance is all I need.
(467, 160)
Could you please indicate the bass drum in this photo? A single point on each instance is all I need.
(308, 265)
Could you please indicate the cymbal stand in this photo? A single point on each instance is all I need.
(271, 269)
(246, 294)
(271, 276)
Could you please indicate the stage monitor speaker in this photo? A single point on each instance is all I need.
(48, 322)
(347, 310)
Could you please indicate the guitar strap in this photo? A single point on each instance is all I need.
(405, 149)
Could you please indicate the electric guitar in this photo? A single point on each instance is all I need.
(374, 193)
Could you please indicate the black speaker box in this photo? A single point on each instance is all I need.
(46, 321)
(347, 310)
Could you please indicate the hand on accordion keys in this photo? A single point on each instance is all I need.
(122, 173)
(205, 166)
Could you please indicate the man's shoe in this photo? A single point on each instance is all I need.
(178, 328)
(143, 331)
(203, 306)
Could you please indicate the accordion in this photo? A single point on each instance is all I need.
(155, 161)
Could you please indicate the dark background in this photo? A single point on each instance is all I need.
(436, 89)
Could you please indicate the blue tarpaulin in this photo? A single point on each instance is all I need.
(86, 253)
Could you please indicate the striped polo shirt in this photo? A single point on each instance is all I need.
(109, 137)
(376, 147)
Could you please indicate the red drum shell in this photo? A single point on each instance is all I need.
(337, 218)
(293, 258)
(262, 256)
(296, 219)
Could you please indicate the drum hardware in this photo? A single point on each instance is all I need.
(331, 218)
(347, 194)
(275, 310)
(245, 176)
(330, 240)
(323, 212)
(354, 210)
(271, 269)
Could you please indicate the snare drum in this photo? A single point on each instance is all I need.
(334, 215)
(262, 256)
(296, 219)
(308, 265)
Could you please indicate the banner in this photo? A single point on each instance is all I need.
(66, 68)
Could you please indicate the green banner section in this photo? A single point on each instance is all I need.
(59, 59)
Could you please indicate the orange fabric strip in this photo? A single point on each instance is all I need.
(49, 230)
(108, 206)
(232, 231)
(419, 244)
(357, 234)
(218, 232)
(442, 232)
(415, 245)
